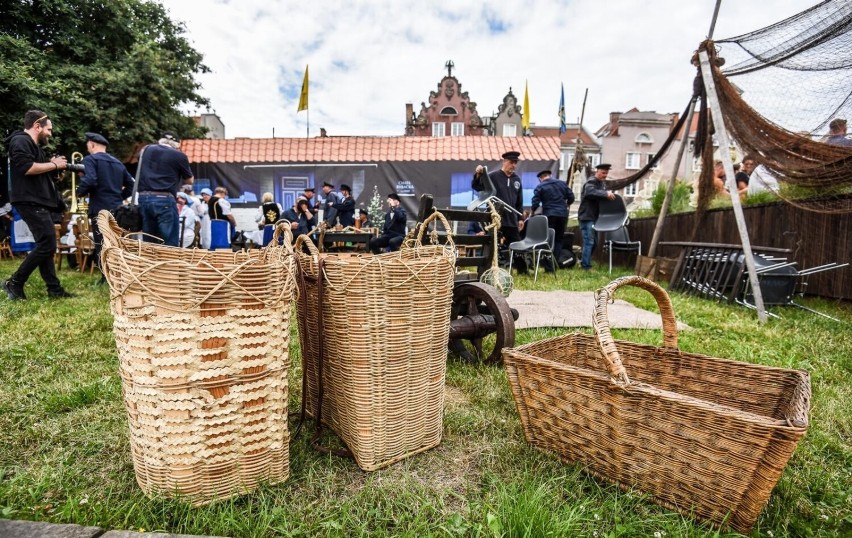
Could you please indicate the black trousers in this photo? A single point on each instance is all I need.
(383, 241)
(558, 224)
(40, 221)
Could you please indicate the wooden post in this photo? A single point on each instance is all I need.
(670, 190)
(724, 145)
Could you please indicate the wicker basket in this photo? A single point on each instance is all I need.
(202, 342)
(374, 354)
(705, 436)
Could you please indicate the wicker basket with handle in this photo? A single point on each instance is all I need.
(373, 332)
(202, 342)
(705, 436)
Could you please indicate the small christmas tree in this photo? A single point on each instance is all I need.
(374, 209)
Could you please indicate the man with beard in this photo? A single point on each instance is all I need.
(34, 195)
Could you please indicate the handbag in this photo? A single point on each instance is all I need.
(128, 216)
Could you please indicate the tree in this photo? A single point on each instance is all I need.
(121, 68)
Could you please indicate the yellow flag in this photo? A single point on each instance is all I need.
(525, 120)
(303, 98)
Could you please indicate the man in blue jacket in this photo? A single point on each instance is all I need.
(594, 190)
(106, 181)
(554, 197)
(33, 194)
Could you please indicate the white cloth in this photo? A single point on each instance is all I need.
(762, 180)
(188, 226)
(205, 232)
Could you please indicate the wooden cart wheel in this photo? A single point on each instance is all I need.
(482, 322)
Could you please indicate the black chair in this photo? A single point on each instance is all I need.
(538, 240)
(620, 240)
(612, 221)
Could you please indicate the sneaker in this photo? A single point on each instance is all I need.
(61, 294)
(14, 291)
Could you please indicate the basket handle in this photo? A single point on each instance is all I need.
(108, 227)
(282, 228)
(436, 215)
(600, 322)
(305, 240)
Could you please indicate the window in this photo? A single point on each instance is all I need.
(595, 159)
(438, 129)
(651, 158)
(457, 128)
(510, 129)
(449, 111)
(643, 138)
(630, 190)
(632, 162)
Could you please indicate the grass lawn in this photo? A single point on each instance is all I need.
(65, 455)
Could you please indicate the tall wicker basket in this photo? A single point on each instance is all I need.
(705, 436)
(202, 341)
(373, 332)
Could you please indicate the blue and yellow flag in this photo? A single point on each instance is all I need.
(303, 98)
(562, 125)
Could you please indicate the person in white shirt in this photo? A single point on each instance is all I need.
(187, 218)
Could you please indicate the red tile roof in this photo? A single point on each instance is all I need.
(368, 149)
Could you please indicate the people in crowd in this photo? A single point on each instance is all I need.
(307, 220)
(203, 213)
(329, 198)
(594, 190)
(837, 133)
(219, 208)
(345, 206)
(193, 201)
(269, 211)
(34, 196)
(508, 188)
(163, 169)
(363, 219)
(187, 220)
(309, 194)
(393, 230)
(719, 179)
(107, 183)
(291, 215)
(554, 197)
(741, 175)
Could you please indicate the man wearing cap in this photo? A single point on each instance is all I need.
(308, 195)
(106, 181)
(393, 231)
(345, 207)
(329, 198)
(554, 197)
(163, 169)
(508, 188)
(594, 190)
(34, 196)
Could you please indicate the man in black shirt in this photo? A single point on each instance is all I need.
(106, 181)
(33, 194)
(508, 188)
(164, 168)
(594, 190)
(393, 231)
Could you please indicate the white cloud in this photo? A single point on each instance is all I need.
(369, 57)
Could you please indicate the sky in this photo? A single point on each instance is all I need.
(368, 58)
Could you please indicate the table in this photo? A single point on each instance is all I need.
(358, 240)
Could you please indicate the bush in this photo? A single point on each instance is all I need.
(680, 198)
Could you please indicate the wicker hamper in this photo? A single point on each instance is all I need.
(705, 436)
(373, 332)
(202, 342)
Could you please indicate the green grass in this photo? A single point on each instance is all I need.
(65, 456)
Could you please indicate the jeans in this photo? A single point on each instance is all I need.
(589, 239)
(40, 221)
(160, 218)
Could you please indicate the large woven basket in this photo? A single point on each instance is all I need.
(705, 436)
(373, 332)
(202, 342)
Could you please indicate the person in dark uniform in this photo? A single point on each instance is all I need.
(509, 189)
(393, 231)
(106, 181)
(328, 199)
(594, 190)
(345, 207)
(34, 196)
(164, 169)
(554, 197)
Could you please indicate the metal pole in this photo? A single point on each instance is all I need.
(713, 22)
(724, 145)
(670, 190)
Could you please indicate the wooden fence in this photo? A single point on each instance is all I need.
(815, 239)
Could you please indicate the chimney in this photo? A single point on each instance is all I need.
(409, 113)
(614, 117)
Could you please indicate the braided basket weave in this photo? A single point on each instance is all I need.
(705, 436)
(374, 330)
(202, 342)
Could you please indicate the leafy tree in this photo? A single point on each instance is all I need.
(118, 67)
